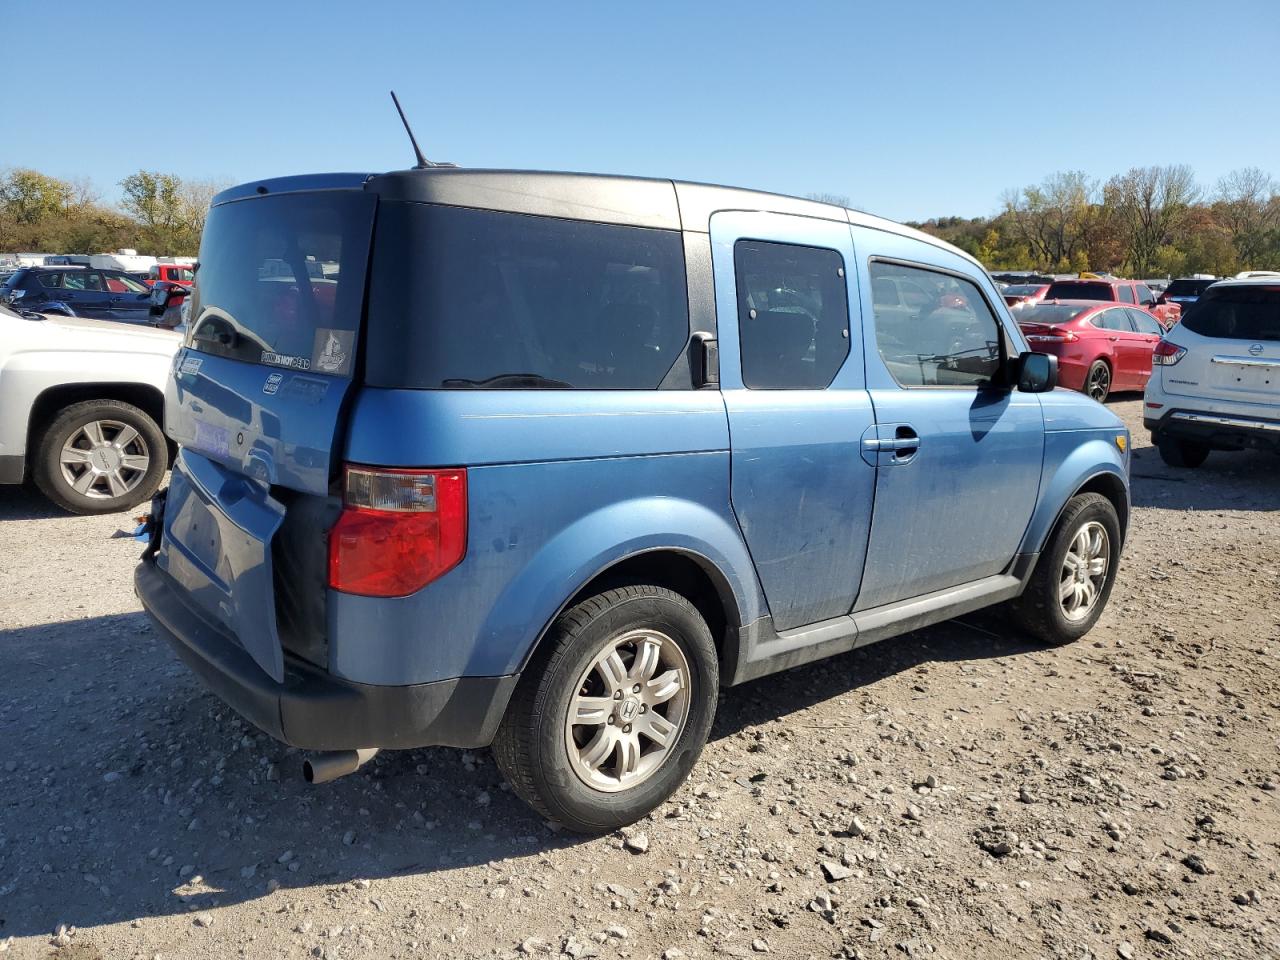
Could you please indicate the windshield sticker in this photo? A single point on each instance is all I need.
(332, 350)
(285, 360)
(273, 384)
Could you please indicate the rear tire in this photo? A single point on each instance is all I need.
(1097, 382)
(100, 456)
(1182, 453)
(634, 665)
(1052, 608)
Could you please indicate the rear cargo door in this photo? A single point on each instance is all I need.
(257, 393)
(1238, 355)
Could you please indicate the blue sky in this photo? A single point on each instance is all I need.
(910, 109)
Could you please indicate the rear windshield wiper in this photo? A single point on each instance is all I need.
(516, 380)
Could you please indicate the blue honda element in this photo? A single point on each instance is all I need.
(543, 461)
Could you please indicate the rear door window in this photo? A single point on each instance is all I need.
(51, 280)
(466, 299)
(1126, 293)
(793, 314)
(1113, 320)
(282, 280)
(952, 340)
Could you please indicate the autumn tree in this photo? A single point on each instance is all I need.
(1151, 204)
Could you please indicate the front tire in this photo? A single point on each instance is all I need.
(1182, 453)
(612, 715)
(1074, 576)
(100, 456)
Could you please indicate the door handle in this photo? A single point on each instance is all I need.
(1113, 339)
(891, 443)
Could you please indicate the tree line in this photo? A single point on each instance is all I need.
(1147, 222)
(159, 213)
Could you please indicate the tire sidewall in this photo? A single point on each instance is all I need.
(570, 800)
(1088, 379)
(48, 470)
(1103, 512)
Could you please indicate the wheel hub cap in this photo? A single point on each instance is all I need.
(630, 707)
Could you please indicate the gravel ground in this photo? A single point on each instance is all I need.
(958, 792)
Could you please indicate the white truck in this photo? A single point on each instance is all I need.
(82, 408)
(130, 261)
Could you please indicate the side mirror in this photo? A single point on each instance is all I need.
(1037, 372)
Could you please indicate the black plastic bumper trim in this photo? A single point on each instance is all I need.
(12, 468)
(314, 710)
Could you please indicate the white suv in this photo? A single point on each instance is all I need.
(1215, 379)
(81, 403)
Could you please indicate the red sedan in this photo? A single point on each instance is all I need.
(1100, 347)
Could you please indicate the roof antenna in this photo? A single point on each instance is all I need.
(423, 163)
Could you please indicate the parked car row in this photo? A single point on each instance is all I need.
(77, 290)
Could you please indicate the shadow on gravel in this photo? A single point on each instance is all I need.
(1244, 480)
(26, 503)
(129, 792)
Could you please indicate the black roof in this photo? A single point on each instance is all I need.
(604, 198)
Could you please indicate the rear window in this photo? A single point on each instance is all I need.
(1076, 290)
(465, 299)
(1021, 289)
(1236, 313)
(282, 280)
(1050, 313)
(1187, 288)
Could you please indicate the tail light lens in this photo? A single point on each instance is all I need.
(1047, 333)
(398, 531)
(1166, 354)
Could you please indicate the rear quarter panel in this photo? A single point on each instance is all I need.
(561, 484)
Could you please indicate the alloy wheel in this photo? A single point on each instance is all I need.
(104, 459)
(1084, 571)
(628, 711)
(1099, 382)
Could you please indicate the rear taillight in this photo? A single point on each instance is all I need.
(1047, 333)
(1166, 354)
(398, 531)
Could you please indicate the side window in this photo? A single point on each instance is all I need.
(1145, 296)
(74, 281)
(153, 273)
(122, 282)
(92, 280)
(1143, 322)
(953, 339)
(51, 280)
(1117, 320)
(793, 315)
(1126, 293)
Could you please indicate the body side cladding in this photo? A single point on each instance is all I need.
(762, 651)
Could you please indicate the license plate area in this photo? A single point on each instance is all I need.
(218, 528)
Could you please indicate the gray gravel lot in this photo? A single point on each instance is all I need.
(959, 792)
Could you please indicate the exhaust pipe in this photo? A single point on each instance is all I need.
(324, 767)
